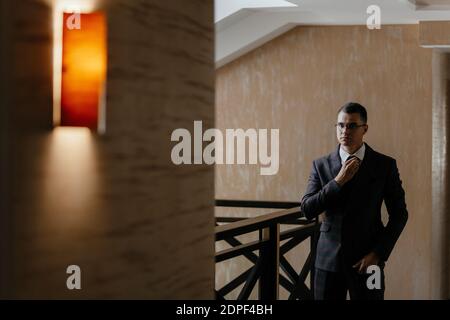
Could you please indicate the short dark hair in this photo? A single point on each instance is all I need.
(354, 107)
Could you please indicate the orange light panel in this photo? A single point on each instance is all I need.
(83, 70)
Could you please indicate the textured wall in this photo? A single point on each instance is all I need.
(137, 225)
(434, 33)
(296, 83)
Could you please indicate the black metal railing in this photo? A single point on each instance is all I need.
(271, 254)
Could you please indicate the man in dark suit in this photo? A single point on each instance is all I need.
(349, 186)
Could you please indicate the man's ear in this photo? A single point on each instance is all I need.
(366, 128)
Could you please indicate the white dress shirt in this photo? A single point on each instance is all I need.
(359, 153)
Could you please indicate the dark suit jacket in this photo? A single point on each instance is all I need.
(352, 224)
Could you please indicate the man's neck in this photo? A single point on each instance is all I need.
(352, 150)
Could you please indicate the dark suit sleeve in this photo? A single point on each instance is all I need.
(318, 198)
(394, 198)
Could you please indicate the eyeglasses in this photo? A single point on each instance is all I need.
(349, 126)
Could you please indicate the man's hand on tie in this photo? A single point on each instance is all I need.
(348, 170)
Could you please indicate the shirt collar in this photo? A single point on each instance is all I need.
(359, 153)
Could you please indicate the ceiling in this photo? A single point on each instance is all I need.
(243, 25)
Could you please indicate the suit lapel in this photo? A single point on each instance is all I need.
(335, 163)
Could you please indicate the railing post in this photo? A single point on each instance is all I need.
(313, 246)
(270, 259)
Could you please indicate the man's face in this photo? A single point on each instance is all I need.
(350, 129)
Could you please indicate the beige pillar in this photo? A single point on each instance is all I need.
(440, 184)
(436, 35)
